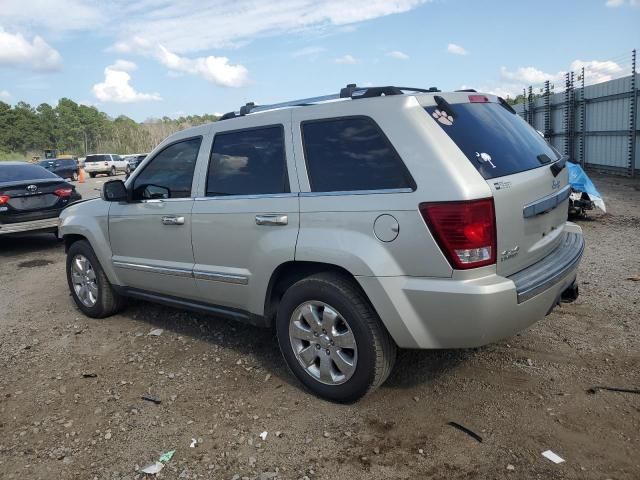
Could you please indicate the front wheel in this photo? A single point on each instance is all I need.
(112, 173)
(74, 177)
(89, 286)
(332, 339)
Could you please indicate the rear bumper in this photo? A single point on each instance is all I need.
(34, 225)
(451, 313)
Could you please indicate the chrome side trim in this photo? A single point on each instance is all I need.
(221, 277)
(545, 204)
(560, 263)
(246, 197)
(179, 272)
(356, 192)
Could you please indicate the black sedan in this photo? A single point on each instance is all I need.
(63, 167)
(31, 198)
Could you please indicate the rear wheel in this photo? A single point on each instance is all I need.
(92, 175)
(74, 177)
(332, 339)
(127, 170)
(89, 286)
(113, 172)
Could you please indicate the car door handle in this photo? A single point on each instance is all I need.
(272, 220)
(173, 220)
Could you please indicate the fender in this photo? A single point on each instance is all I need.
(90, 219)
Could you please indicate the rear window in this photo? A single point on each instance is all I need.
(496, 141)
(350, 154)
(97, 158)
(19, 173)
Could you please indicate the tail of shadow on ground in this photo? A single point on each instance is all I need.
(413, 367)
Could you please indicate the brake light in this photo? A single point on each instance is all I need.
(465, 231)
(4, 199)
(63, 192)
(478, 99)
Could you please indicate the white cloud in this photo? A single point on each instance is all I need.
(398, 55)
(216, 70)
(116, 87)
(346, 60)
(5, 95)
(622, 3)
(596, 71)
(16, 50)
(528, 75)
(192, 25)
(308, 52)
(58, 15)
(456, 49)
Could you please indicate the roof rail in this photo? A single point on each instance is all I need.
(351, 91)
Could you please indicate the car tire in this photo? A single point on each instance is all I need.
(112, 172)
(74, 176)
(106, 301)
(367, 365)
(127, 170)
(92, 175)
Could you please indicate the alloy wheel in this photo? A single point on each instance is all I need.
(323, 343)
(83, 279)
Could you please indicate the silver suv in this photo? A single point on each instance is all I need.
(353, 224)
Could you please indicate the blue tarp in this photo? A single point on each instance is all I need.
(580, 182)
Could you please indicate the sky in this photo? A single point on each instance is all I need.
(151, 58)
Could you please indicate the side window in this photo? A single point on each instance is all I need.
(248, 162)
(170, 173)
(351, 153)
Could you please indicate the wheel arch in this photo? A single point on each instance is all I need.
(288, 273)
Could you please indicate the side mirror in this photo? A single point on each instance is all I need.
(114, 191)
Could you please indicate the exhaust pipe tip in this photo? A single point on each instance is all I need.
(570, 294)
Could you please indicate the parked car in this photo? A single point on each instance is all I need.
(31, 198)
(106, 163)
(135, 160)
(63, 167)
(354, 224)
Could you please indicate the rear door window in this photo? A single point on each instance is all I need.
(248, 162)
(496, 141)
(350, 154)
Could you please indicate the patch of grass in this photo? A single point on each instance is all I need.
(6, 156)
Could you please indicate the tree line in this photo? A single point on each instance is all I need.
(71, 128)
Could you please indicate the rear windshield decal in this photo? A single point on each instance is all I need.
(485, 157)
(442, 117)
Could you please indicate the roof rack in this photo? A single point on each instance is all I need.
(351, 91)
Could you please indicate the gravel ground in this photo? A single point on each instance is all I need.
(71, 387)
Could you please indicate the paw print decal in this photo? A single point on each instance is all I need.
(442, 117)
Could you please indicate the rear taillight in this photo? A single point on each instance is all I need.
(63, 192)
(4, 199)
(465, 231)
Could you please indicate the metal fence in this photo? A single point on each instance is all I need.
(597, 124)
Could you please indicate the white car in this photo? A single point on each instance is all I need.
(107, 163)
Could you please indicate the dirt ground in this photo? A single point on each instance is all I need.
(223, 384)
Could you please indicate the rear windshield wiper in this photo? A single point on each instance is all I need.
(444, 106)
(558, 166)
(506, 105)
